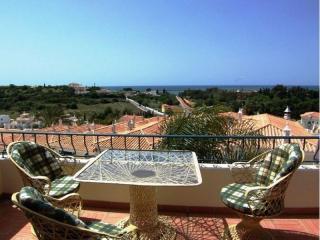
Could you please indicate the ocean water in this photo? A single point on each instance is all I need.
(180, 88)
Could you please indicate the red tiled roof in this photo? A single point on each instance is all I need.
(231, 114)
(94, 143)
(310, 114)
(127, 118)
(270, 125)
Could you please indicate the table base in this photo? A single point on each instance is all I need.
(162, 231)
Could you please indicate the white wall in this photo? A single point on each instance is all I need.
(303, 191)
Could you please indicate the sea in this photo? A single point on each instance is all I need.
(176, 89)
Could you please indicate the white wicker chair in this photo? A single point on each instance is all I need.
(259, 189)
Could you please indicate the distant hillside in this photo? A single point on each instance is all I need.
(50, 102)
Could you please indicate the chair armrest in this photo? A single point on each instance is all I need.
(268, 199)
(258, 159)
(71, 202)
(242, 172)
(69, 164)
(245, 172)
(41, 183)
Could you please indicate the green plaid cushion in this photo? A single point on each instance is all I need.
(62, 186)
(233, 196)
(32, 199)
(36, 160)
(30, 193)
(104, 227)
(15, 155)
(281, 161)
(293, 161)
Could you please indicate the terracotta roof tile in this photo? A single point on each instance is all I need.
(311, 114)
(270, 125)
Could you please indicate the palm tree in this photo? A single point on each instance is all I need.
(210, 121)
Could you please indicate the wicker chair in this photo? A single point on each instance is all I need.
(53, 223)
(259, 191)
(43, 168)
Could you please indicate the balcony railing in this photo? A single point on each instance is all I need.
(91, 144)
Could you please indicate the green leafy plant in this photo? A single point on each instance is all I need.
(210, 121)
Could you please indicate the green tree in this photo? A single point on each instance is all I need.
(51, 114)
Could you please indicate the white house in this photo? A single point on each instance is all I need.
(310, 120)
(4, 120)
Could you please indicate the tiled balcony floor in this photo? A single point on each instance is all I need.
(13, 224)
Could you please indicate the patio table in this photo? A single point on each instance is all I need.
(143, 171)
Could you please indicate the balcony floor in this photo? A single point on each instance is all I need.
(13, 224)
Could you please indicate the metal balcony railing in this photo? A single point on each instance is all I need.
(210, 149)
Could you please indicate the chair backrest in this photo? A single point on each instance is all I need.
(35, 159)
(51, 223)
(46, 227)
(278, 163)
(34, 200)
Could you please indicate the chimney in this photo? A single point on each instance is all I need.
(240, 113)
(53, 127)
(287, 113)
(286, 133)
(93, 126)
(74, 120)
(6, 126)
(130, 124)
(114, 126)
(60, 122)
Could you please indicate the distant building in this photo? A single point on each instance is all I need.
(73, 120)
(4, 120)
(78, 89)
(152, 93)
(310, 120)
(25, 121)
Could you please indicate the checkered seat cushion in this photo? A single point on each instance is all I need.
(232, 195)
(104, 228)
(33, 200)
(62, 186)
(38, 161)
(278, 163)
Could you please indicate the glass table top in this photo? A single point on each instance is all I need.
(147, 168)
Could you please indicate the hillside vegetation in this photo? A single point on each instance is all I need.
(49, 103)
(269, 100)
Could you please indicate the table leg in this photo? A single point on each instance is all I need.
(143, 207)
(144, 215)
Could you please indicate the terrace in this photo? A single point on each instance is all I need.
(196, 212)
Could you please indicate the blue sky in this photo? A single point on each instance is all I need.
(159, 42)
